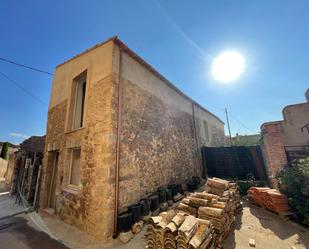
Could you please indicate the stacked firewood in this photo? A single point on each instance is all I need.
(217, 204)
(182, 231)
(224, 203)
(203, 219)
(268, 198)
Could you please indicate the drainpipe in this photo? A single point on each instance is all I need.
(115, 232)
(196, 141)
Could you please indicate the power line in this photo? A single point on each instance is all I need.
(228, 124)
(242, 124)
(23, 89)
(25, 66)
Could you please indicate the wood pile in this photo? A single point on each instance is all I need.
(218, 204)
(268, 198)
(203, 219)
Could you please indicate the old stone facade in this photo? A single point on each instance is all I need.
(161, 132)
(289, 132)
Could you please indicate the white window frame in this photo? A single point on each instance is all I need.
(206, 130)
(73, 186)
(79, 84)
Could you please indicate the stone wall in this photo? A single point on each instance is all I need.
(158, 145)
(3, 167)
(210, 132)
(162, 132)
(10, 168)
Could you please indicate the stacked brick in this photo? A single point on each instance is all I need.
(268, 198)
(202, 220)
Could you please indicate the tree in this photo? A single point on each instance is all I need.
(4, 151)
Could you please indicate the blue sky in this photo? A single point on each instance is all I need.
(179, 38)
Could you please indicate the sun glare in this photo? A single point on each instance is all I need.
(228, 66)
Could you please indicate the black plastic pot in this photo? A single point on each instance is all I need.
(162, 195)
(136, 210)
(191, 186)
(125, 222)
(179, 189)
(196, 180)
(145, 206)
(173, 189)
(154, 205)
(169, 195)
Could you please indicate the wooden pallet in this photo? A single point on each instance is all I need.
(286, 215)
(224, 235)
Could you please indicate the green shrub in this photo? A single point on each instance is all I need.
(244, 185)
(294, 182)
(4, 151)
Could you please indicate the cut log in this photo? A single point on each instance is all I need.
(215, 212)
(187, 209)
(217, 183)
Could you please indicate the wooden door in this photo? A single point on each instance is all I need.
(53, 181)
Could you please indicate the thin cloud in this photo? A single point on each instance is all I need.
(19, 135)
(182, 33)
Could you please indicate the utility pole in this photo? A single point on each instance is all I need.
(228, 125)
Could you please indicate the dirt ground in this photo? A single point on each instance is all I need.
(25, 231)
(267, 229)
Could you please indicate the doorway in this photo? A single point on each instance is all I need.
(54, 158)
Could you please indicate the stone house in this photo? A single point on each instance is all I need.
(4, 162)
(291, 133)
(117, 130)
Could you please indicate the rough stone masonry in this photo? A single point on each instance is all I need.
(161, 133)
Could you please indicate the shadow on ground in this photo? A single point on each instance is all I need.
(276, 224)
(231, 240)
(267, 229)
(15, 233)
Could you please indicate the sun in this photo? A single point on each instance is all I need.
(228, 66)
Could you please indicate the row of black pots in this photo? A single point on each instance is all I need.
(193, 183)
(136, 211)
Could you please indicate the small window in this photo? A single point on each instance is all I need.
(79, 87)
(75, 167)
(206, 130)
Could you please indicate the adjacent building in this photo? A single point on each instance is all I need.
(280, 137)
(117, 130)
